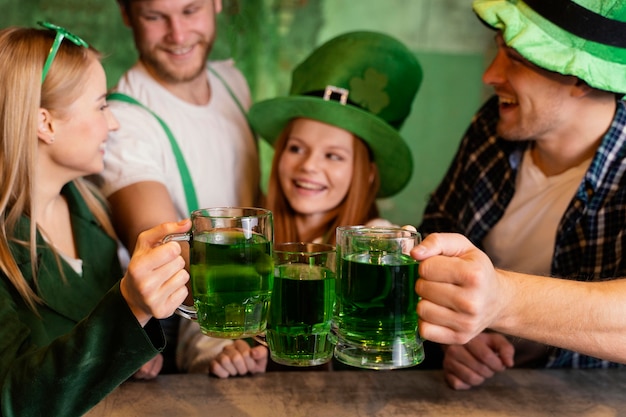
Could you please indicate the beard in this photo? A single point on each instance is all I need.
(172, 74)
(512, 134)
(525, 128)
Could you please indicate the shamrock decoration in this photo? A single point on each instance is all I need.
(369, 92)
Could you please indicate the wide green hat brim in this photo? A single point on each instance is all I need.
(390, 151)
(601, 65)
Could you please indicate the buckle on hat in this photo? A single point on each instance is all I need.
(342, 92)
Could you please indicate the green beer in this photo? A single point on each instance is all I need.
(231, 276)
(376, 310)
(300, 314)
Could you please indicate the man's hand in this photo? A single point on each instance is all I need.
(461, 292)
(471, 364)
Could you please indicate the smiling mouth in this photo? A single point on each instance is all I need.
(507, 102)
(180, 51)
(309, 185)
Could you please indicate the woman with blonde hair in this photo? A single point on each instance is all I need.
(71, 329)
(337, 149)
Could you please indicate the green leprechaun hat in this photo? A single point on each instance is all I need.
(583, 38)
(363, 82)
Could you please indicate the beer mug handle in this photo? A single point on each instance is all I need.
(261, 339)
(188, 312)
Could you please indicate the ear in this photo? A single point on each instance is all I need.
(45, 129)
(217, 5)
(581, 88)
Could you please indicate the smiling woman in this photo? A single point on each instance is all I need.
(336, 140)
(62, 302)
(78, 132)
(316, 165)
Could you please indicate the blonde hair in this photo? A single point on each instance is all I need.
(357, 207)
(22, 54)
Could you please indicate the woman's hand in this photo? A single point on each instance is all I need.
(154, 284)
(239, 359)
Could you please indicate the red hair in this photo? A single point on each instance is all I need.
(357, 207)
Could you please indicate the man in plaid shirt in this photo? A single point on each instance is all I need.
(538, 180)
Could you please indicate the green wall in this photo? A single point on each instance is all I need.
(267, 38)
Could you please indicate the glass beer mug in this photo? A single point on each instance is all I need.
(303, 295)
(231, 270)
(375, 317)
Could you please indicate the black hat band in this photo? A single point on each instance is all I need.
(581, 22)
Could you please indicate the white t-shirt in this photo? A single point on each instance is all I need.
(523, 240)
(218, 147)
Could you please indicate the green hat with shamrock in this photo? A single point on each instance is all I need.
(583, 38)
(363, 82)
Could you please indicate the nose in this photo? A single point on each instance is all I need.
(176, 30)
(309, 162)
(112, 122)
(495, 72)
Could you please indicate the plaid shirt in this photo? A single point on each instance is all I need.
(591, 235)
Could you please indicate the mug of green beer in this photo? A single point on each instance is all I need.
(300, 312)
(231, 269)
(375, 317)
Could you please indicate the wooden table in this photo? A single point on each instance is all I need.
(588, 393)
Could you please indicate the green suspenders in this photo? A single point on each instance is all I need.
(236, 100)
(190, 191)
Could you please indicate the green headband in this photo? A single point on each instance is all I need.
(61, 33)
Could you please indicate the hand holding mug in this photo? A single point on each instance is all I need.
(461, 293)
(154, 284)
